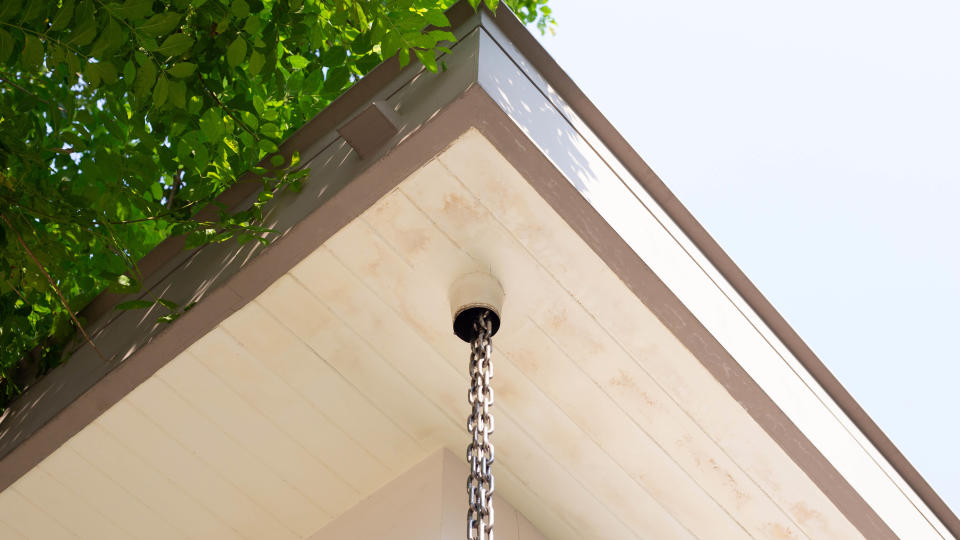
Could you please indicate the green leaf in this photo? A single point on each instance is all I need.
(35, 10)
(146, 77)
(129, 71)
(437, 18)
(237, 52)
(312, 83)
(155, 188)
(134, 304)
(178, 94)
(168, 318)
(268, 146)
(337, 78)
(84, 30)
(10, 8)
(232, 145)
(6, 45)
(133, 9)
(249, 119)
(175, 45)
(492, 5)
(108, 72)
(32, 54)
(91, 74)
(297, 62)
(211, 124)
(110, 39)
(427, 59)
(182, 69)
(318, 38)
(64, 14)
(160, 93)
(441, 35)
(169, 304)
(256, 63)
(160, 24)
(335, 56)
(73, 64)
(239, 8)
(270, 130)
(124, 284)
(252, 26)
(194, 105)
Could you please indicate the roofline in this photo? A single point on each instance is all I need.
(153, 264)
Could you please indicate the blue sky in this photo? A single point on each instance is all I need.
(818, 142)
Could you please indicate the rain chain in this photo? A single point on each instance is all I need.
(480, 457)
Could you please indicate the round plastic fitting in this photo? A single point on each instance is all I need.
(470, 295)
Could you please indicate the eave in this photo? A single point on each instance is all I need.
(503, 88)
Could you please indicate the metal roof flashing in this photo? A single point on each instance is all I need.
(494, 69)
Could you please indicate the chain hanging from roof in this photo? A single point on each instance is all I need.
(480, 455)
(476, 300)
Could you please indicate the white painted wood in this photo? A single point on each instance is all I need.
(314, 379)
(300, 419)
(253, 472)
(146, 482)
(413, 291)
(73, 512)
(6, 531)
(29, 520)
(127, 422)
(130, 515)
(654, 402)
(445, 202)
(351, 354)
(537, 470)
(351, 300)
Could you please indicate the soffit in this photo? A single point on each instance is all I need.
(344, 372)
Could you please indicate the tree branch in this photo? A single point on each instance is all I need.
(256, 136)
(175, 188)
(25, 91)
(54, 285)
(153, 218)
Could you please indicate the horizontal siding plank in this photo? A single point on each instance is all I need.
(91, 485)
(147, 482)
(305, 423)
(127, 422)
(28, 519)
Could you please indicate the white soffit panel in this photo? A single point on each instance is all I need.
(603, 181)
(344, 372)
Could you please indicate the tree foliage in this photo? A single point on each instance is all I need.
(120, 119)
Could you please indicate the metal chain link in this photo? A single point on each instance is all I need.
(480, 484)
